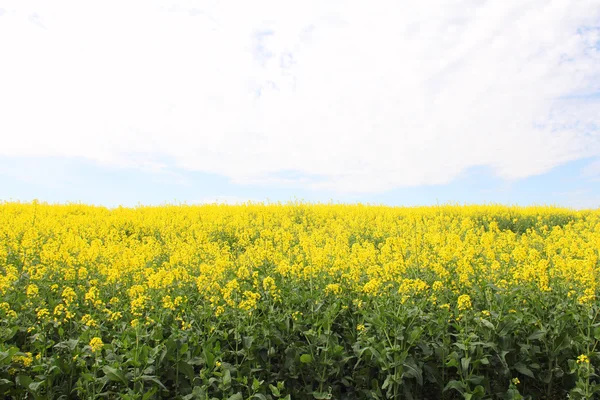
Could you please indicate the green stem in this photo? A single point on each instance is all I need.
(177, 373)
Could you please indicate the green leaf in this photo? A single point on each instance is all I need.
(24, 380)
(237, 396)
(562, 341)
(259, 396)
(154, 379)
(186, 369)
(248, 340)
(479, 391)
(433, 373)
(537, 335)
(456, 385)
(387, 382)
(6, 356)
(149, 394)
(597, 333)
(210, 358)
(114, 374)
(413, 371)
(476, 380)
(414, 334)
(453, 360)
(573, 367)
(197, 393)
(34, 386)
(227, 378)
(321, 395)
(464, 363)
(306, 358)
(274, 390)
(487, 324)
(524, 370)
(461, 346)
(5, 382)
(505, 327)
(70, 344)
(184, 348)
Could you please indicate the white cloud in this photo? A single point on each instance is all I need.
(337, 95)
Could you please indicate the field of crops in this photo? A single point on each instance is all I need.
(298, 301)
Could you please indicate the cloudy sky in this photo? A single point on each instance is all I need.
(395, 102)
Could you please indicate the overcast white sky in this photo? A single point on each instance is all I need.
(338, 97)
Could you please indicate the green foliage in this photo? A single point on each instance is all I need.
(407, 352)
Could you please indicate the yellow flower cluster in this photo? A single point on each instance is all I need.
(32, 290)
(333, 288)
(69, 296)
(250, 299)
(464, 302)
(583, 359)
(101, 266)
(96, 344)
(89, 321)
(26, 360)
(5, 308)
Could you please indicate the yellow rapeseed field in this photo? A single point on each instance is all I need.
(298, 301)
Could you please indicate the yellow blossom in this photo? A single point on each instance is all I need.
(464, 302)
(219, 310)
(96, 344)
(32, 290)
(296, 315)
(26, 360)
(89, 321)
(583, 359)
(333, 288)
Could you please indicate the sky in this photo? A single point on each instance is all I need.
(415, 102)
